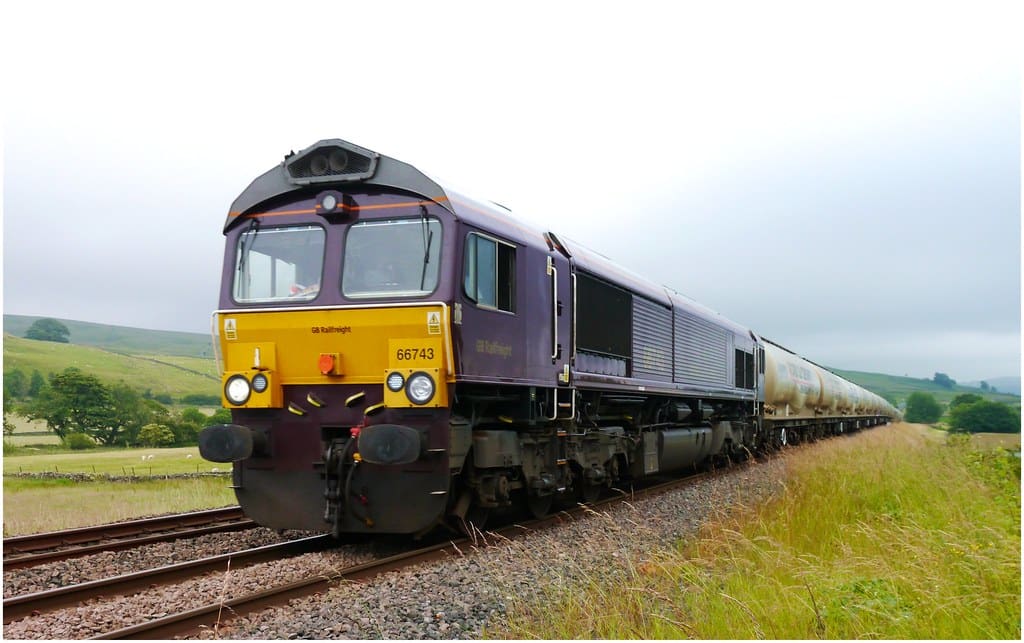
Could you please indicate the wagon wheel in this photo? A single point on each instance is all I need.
(539, 506)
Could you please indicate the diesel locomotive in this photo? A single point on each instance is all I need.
(399, 356)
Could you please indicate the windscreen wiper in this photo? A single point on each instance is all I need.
(247, 241)
(428, 238)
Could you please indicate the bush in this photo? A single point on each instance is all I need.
(79, 441)
(156, 435)
(922, 408)
(964, 398)
(984, 417)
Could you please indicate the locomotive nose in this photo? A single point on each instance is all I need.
(225, 443)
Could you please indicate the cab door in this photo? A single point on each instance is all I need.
(560, 290)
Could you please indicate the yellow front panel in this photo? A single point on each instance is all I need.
(365, 342)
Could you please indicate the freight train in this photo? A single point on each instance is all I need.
(398, 356)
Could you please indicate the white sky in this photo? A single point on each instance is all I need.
(841, 177)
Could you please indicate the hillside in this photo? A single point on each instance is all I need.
(898, 388)
(122, 339)
(174, 375)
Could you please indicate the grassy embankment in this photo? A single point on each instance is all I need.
(45, 504)
(890, 534)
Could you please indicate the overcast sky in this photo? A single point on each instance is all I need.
(843, 178)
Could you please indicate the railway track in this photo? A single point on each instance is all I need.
(35, 549)
(217, 614)
(18, 607)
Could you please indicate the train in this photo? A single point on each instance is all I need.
(399, 357)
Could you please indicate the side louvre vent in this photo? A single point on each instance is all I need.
(652, 339)
(331, 162)
(702, 351)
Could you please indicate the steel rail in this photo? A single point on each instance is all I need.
(18, 607)
(25, 551)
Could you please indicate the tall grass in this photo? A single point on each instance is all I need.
(885, 534)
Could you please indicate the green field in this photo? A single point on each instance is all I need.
(119, 462)
(174, 376)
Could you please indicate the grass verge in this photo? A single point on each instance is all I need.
(884, 534)
(33, 506)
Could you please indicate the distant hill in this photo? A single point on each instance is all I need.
(122, 339)
(1002, 384)
(898, 388)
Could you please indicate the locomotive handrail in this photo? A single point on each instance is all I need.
(554, 309)
(572, 276)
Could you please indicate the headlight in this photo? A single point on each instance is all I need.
(237, 389)
(420, 388)
(395, 382)
(259, 383)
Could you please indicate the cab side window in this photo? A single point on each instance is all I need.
(489, 272)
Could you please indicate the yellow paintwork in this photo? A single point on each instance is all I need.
(369, 342)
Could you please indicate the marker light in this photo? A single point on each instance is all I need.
(237, 389)
(259, 383)
(395, 382)
(328, 203)
(420, 388)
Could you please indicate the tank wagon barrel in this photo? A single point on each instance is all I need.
(398, 356)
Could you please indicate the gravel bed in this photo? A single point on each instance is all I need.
(114, 563)
(453, 599)
(459, 598)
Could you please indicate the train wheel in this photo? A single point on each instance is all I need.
(540, 506)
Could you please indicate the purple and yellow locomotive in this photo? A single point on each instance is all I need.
(398, 356)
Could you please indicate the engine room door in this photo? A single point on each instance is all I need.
(560, 316)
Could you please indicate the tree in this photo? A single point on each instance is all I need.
(190, 422)
(128, 416)
(984, 386)
(922, 407)
(15, 383)
(964, 398)
(36, 383)
(48, 330)
(984, 416)
(944, 380)
(73, 402)
(156, 435)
